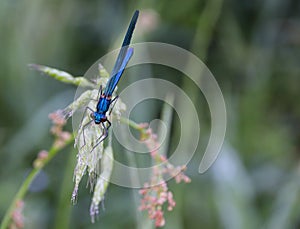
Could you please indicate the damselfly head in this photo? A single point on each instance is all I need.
(98, 117)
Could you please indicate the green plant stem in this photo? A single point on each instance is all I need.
(24, 188)
(63, 76)
(62, 218)
(133, 124)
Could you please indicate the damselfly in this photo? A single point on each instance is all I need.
(105, 100)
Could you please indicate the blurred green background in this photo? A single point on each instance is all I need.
(251, 47)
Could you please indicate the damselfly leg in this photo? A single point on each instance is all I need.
(104, 134)
(114, 101)
(99, 92)
(82, 128)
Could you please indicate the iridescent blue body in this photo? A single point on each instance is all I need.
(102, 108)
(105, 100)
